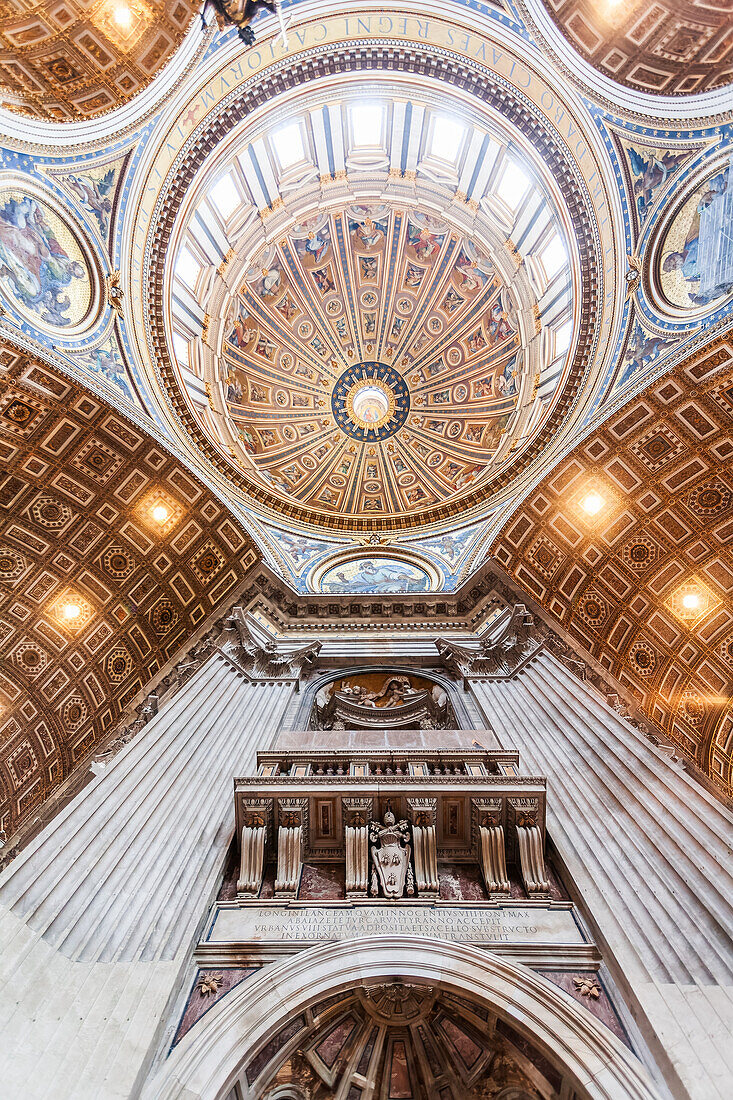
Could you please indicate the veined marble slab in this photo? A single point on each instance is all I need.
(273, 924)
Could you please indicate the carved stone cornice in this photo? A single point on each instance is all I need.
(262, 660)
(501, 655)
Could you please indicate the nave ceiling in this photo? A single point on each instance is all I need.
(235, 264)
(74, 60)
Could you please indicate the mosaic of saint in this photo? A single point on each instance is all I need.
(696, 255)
(651, 169)
(42, 266)
(374, 575)
(372, 363)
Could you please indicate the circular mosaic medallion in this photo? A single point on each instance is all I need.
(693, 261)
(370, 402)
(44, 270)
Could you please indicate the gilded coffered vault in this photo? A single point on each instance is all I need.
(74, 60)
(680, 49)
(642, 579)
(111, 554)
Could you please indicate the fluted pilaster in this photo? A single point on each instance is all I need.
(98, 914)
(648, 850)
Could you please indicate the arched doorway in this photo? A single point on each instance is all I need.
(480, 1015)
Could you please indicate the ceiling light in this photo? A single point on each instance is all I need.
(160, 513)
(122, 16)
(592, 503)
(691, 601)
(71, 611)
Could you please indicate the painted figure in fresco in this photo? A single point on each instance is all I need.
(413, 276)
(449, 545)
(94, 195)
(233, 390)
(107, 362)
(452, 301)
(368, 267)
(425, 235)
(651, 168)
(643, 349)
(241, 333)
(506, 381)
(425, 243)
(706, 257)
(248, 439)
(269, 283)
(469, 474)
(33, 261)
(324, 280)
(469, 276)
(265, 348)
(381, 575)
(482, 387)
(318, 244)
(299, 548)
(369, 233)
(502, 319)
(287, 307)
(476, 342)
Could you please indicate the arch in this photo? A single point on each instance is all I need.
(212, 1056)
(309, 691)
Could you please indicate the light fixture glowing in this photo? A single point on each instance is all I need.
(160, 513)
(691, 601)
(71, 611)
(122, 16)
(592, 503)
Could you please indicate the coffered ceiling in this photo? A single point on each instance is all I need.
(627, 543)
(111, 554)
(675, 48)
(73, 60)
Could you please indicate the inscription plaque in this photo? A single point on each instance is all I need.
(268, 924)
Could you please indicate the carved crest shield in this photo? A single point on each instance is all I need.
(391, 857)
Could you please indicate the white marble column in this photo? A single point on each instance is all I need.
(648, 851)
(98, 914)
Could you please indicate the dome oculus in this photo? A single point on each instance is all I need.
(370, 402)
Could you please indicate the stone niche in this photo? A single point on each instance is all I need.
(382, 700)
(391, 827)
